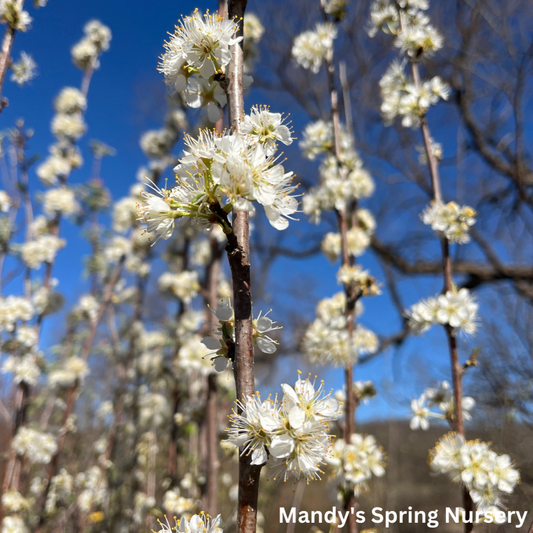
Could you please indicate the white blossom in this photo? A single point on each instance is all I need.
(311, 47)
(184, 285)
(201, 523)
(14, 524)
(25, 368)
(72, 369)
(355, 463)
(61, 201)
(5, 202)
(450, 220)
(457, 309)
(487, 475)
(69, 101)
(294, 431)
(11, 12)
(38, 447)
(41, 250)
(13, 308)
(23, 70)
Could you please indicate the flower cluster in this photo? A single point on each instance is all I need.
(11, 13)
(222, 172)
(184, 285)
(25, 368)
(403, 95)
(407, 21)
(12, 309)
(357, 240)
(60, 201)
(223, 343)
(312, 47)
(36, 446)
(355, 462)
(72, 370)
(358, 279)
(41, 250)
(96, 40)
(93, 483)
(198, 523)
(341, 182)
(195, 55)
(174, 502)
(487, 475)
(291, 436)
(404, 98)
(441, 398)
(457, 309)
(327, 339)
(450, 220)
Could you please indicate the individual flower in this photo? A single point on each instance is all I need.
(23, 70)
(458, 309)
(254, 427)
(222, 341)
(421, 414)
(266, 128)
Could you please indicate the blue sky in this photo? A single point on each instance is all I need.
(125, 99)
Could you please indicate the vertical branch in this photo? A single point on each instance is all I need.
(343, 217)
(447, 271)
(5, 56)
(211, 284)
(239, 258)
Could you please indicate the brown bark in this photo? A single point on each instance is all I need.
(448, 279)
(239, 259)
(344, 218)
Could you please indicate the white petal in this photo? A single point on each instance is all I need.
(220, 364)
(281, 446)
(259, 456)
(296, 417)
(211, 343)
